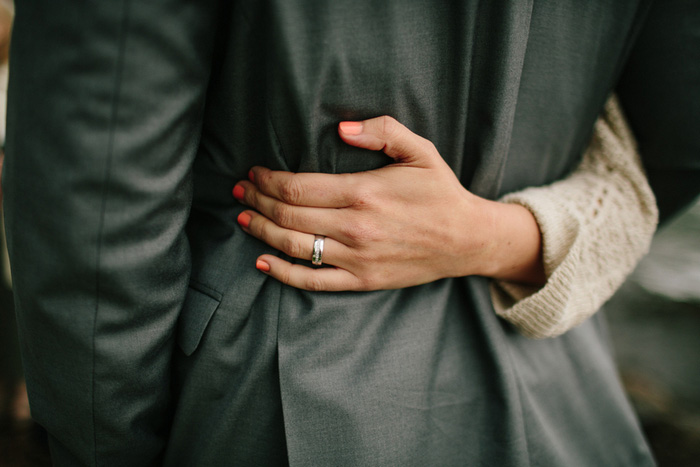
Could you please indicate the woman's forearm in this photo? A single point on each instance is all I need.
(596, 224)
(514, 248)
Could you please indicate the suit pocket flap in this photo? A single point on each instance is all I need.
(199, 307)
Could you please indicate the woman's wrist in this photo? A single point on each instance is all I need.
(509, 243)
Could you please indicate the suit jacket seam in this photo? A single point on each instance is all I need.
(114, 111)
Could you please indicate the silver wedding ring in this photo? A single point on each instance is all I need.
(317, 254)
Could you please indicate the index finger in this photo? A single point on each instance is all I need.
(306, 189)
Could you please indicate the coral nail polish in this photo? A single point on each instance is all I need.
(238, 192)
(251, 176)
(351, 128)
(262, 266)
(244, 219)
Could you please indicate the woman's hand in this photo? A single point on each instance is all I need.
(408, 223)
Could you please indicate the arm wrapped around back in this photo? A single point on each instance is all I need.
(596, 225)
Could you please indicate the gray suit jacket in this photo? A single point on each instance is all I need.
(148, 336)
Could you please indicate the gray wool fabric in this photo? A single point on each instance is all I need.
(148, 336)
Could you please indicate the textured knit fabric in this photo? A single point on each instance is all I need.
(596, 225)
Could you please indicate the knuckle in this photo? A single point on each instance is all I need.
(314, 284)
(430, 146)
(354, 233)
(282, 214)
(389, 126)
(364, 195)
(285, 276)
(259, 228)
(251, 196)
(291, 190)
(263, 178)
(361, 233)
(291, 247)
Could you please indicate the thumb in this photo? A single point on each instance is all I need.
(388, 135)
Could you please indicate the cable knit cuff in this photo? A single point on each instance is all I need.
(596, 224)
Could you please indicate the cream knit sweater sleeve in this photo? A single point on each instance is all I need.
(596, 225)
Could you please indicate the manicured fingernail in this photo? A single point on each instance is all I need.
(251, 176)
(262, 266)
(244, 219)
(238, 192)
(351, 128)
